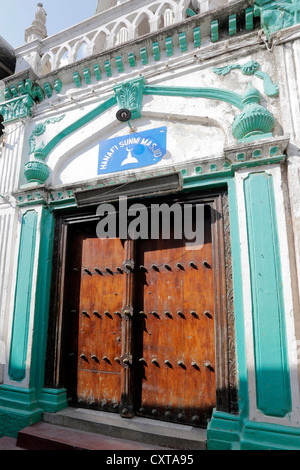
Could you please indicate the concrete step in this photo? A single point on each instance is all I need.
(137, 429)
(9, 443)
(45, 436)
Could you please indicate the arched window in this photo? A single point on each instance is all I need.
(122, 36)
(63, 58)
(81, 52)
(46, 64)
(143, 26)
(100, 42)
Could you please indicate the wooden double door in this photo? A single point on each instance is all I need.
(138, 325)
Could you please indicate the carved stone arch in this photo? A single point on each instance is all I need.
(161, 14)
(63, 56)
(81, 49)
(121, 32)
(99, 42)
(141, 24)
(46, 64)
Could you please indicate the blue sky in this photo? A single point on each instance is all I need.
(17, 15)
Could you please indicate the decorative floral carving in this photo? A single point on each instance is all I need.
(129, 96)
(252, 68)
(17, 108)
(39, 130)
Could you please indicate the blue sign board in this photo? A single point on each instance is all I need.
(132, 151)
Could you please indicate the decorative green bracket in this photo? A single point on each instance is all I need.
(277, 15)
(130, 95)
(252, 68)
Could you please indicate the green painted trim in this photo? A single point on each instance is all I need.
(42, 300)
(97, 72)
(169, 46)
(209, 93)
(214, 31)
(190, 12)
(269, 436)
(120, 65)
(197, 37)
(107, 68)
(156, 51)
(249, 16)
(79, 123)
(19, 339)
(270, 343)
(144, 56)
(232, 25)
(87, 76)
(53, 400)
(183, 42)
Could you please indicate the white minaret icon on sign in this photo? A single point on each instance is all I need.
(130, 158)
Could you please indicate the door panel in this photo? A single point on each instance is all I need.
(171, 373)
(99, 332)
(177, 345)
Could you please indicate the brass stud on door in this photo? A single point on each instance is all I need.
(206, 264)
(208, 314)
(109, 270)
(195, 365)
(84, 312)
(168, 314)
(168, 363)
(143, 268)
(98, 271)
(209, 365)
(193, 265)
(180, 266)
(155, 267)
(168, 267)
(94, 357)
(82, 356)
(181, 364)
(88, 271)
(155, 362)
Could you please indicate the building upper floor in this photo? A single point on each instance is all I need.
(115, 22)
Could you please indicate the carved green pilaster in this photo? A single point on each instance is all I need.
(277, 15)
(16, 108)
(130, 95)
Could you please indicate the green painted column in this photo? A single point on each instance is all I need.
(270, 343)
(19, 338)
(23, 401)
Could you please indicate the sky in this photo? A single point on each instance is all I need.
(18, 15)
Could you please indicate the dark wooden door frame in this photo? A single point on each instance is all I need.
(226, 377)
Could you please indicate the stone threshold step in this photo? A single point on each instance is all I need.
(45, 436)
(9, 443)
(138, 429)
